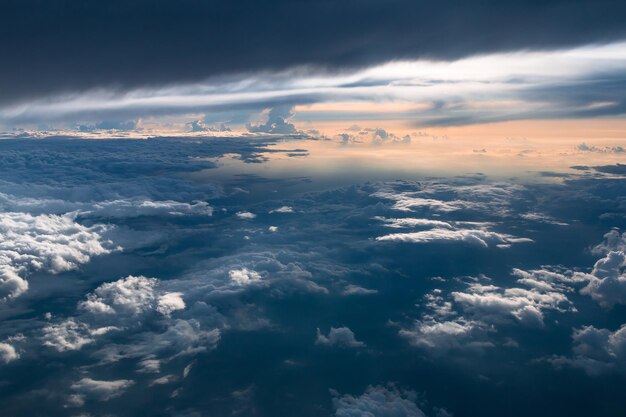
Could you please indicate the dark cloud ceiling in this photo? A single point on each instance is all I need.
(70, 45)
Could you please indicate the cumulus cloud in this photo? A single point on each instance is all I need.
(492, 304)
(69, 335)
(132, 295)
(468, 319)
(605, 149)
(170, 302)
(595, 351)
(607, 283)
(276, 122)
(201, 126)
(444, 335)
(8, 353)
(101, 390)
(127, 306)
(121, 125)
(128, 295)
(613, 241)
(377, 401)
(244, 276)
(51, 243)
(245, 215)
(352, 289)
(338, 336)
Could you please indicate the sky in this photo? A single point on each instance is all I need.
(312, 208)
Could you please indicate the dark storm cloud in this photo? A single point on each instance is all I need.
(75, 44)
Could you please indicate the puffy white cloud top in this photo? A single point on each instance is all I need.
(54, 243)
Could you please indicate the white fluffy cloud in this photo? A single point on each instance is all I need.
(409, 222)
(338, 336)
(181, 337)
(170, 302)
(466, 319)
(607, 283)
(595, 351)
(45, 242)
(377, 401)
(444, 335)
(613, 241)
(410, 202)
(71, 334)
(112, 306)
(128, 295)
(132, 295)
(472, 236)
(100, 390)
(245, 215)
(493, 304)
(8, 353)
(244, 276)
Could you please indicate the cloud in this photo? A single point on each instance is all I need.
(101, 390)
(136, 208)
(467, 320)
(409, 222)
(613, 241)
(607, 283)
(377, 401)
(244, 276)
(50, 243)
(130, 295)
(613, 149)
(201, 126)
(338, 336)
(142, 337)
(8, 353)
(407, 202)
(492, 304)
(352, 289)
(246, 215)
(445, 335)
(471, 236)
(283, 209)
(595, 351)
(67, 335)
(80, 53)
(275, 123)
(109, 125)
(170, 302)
